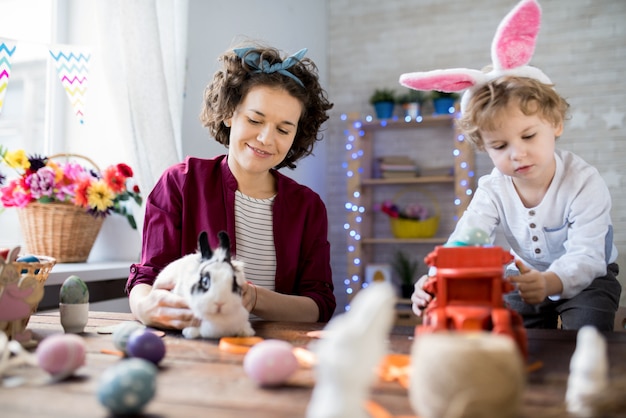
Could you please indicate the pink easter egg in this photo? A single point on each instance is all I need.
(270, 362)
(61, 354)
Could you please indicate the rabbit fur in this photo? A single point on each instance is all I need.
(511, 50)
(211, 283)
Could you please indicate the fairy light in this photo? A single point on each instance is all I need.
(353, 167)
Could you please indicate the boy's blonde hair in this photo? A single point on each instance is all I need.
(533, 97)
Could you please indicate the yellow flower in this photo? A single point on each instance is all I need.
(100, 196)
(17, 159)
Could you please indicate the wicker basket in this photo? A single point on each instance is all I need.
(21, 290)
(60, 230)
(410, 228)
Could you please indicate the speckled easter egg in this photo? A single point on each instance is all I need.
(474, 236)
(145, 344)
(127, 386)
(123, 331)
(61, 354)
(74, 290)
(270, 362)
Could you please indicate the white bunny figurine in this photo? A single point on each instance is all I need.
(511, 50)
(211, 283)
(349, 353)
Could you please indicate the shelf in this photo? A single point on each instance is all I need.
(425, 121)
(408, 180)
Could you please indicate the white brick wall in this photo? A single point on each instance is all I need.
(581, 46)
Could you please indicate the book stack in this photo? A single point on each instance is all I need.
(397, 166)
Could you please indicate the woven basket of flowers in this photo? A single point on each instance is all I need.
(62, 203)
(415, 220)
(21, 290)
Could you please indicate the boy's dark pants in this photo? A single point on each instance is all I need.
(596, 305)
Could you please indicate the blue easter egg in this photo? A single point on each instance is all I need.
(74, 290)
(126, 387)
(28, 259)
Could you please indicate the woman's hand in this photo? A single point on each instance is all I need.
(420, 297)
(160, 308)
(249, 296)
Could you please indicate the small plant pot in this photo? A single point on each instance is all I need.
(444, 105)
(384, 110)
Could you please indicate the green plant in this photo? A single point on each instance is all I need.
(443, 94)
(411, 96)
(383, 95)
(405, 267)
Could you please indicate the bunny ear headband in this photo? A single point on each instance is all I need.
(511, 50)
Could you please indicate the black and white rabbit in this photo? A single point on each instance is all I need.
(211, 283)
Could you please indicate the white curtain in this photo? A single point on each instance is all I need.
(143, 45)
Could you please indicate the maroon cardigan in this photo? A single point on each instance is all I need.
(199, 195)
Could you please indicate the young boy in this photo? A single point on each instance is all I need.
(551, 206)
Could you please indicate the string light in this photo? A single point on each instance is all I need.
(354, 169)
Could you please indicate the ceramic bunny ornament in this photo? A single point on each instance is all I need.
(511, 50)
(349, 353)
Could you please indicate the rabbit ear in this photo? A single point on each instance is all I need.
(514, 42)
(224, 244)
(450, 80)
(203, 245)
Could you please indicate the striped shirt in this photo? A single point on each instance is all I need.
(254, 234)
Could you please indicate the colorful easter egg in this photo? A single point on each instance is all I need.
(123, 331)
(74, 290)
(127, 386)
(270, 362)
(61, 354)
(145, 344)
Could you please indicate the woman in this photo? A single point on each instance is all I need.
(268, 112)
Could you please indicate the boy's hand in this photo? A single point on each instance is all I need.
(420, 297)
(531, 284)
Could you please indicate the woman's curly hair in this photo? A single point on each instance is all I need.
(235, 79)
(533, 97)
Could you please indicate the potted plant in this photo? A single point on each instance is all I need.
(406, 269)
(411, 102)
(443, 102)
(383, 101)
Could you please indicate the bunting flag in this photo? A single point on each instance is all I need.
(6, 51)
(72, 68)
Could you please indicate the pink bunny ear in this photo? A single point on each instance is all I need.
(514, 42)
(450, 80)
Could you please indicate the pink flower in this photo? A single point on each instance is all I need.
(14, 195)
(41, 183)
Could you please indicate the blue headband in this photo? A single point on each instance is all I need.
(252, 60)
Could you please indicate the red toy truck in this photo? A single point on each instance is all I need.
(468, 291)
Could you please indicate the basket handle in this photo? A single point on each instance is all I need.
(68, 155)
(426, 193)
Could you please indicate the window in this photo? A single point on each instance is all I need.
(28, 26)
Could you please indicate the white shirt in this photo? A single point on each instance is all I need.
(569, 233)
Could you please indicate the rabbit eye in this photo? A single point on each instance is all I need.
(205, 282)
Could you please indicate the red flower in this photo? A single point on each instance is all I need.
(125, 170)
(114, 179)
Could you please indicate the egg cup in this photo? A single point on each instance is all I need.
(74, 317)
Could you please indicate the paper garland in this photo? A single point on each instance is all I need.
(72, 66)
(6, 51)
(72, 69)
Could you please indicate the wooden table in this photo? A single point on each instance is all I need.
(197, 379)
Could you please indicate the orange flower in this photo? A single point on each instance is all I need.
(115, 179)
